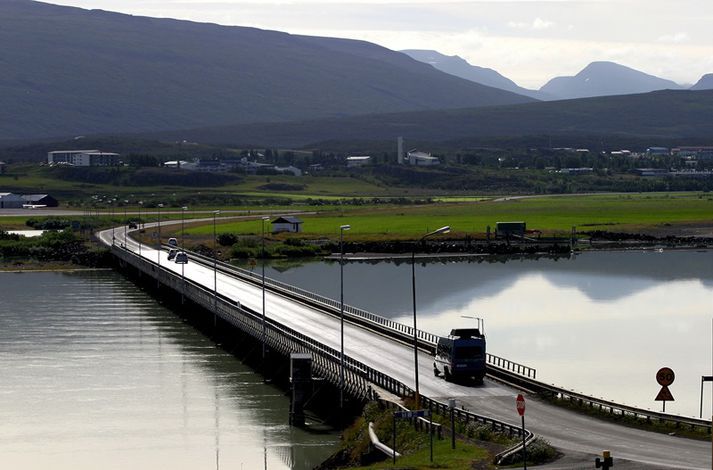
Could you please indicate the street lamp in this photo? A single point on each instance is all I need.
(126, 224)
(159, 237)
(215, 272)
(342, 228)
(183, 248)
(441, 230)
(112, 224)
(262, 221)
(141, 205)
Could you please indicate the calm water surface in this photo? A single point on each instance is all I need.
(96, 374)
(599, 323)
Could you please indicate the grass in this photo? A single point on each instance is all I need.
(462, 457)
(552, 215)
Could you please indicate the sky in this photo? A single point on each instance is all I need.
(528, 41)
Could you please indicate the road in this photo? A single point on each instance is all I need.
(581, 438)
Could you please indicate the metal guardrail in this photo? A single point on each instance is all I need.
(358, 377)
(427, 341)
(512, 372)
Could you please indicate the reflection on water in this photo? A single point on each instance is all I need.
(95, 374)
(599, 323)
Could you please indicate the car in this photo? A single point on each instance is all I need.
(172, 254)
(172, 241)
(181, 257)
(132, 224)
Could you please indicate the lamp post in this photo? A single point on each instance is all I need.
(215, 272)
(441, 230)
(126, 226)
(112, 224)
(342, 228)
(262, 255)
(141, 205)
(183, 249)
(159, 236)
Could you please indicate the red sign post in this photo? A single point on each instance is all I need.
(520, 403)
(665, 377)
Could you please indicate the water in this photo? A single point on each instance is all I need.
(96, 374)
(599, 323)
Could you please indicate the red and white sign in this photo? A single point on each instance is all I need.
(520, 401)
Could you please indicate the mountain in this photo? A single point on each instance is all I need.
(605, 79)
(69, 71)
(651, 117)
(459, 67)
(705, 83)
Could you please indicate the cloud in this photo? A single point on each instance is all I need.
(676, 38)
(537, 24)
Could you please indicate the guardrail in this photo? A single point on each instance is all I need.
(427, 340)
(511, 372)
(358, 377)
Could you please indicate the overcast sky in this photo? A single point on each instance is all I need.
(529, 41)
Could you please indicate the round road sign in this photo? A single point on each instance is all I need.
(665, 376)
(520, 402)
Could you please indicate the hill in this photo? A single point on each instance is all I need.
(605, 79)
(68, 71)
(705, 83)
(459, 67)
(655, 116)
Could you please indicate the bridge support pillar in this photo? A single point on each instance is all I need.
(300, 385)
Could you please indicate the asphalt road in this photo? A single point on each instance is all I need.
(580, 438)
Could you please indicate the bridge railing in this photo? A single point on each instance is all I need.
(427, 340)
(358, 377)
(503, 369)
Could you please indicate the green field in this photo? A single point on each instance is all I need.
(625, 212)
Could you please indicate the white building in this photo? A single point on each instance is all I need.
(286, 224)
(422, 158)
(11, 201)
(359, 160)
(83, 158)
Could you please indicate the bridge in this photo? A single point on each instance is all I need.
(378, 355)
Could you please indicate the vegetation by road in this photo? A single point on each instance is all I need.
(476, 444)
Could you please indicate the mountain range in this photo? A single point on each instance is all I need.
(649, 118)
(70, 71)
(600, 78)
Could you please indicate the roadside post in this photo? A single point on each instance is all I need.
(704, 378)
(606, 462)
(452, 406)
(665, 377)
(520, 403)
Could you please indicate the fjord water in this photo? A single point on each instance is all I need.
(97, 374)
(599, 323)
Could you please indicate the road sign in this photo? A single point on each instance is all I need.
(520, 401)
(665, 376)
(664, 395)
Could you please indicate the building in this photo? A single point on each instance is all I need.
(400, 150)
(422, 158)
(657, 151)
(180, 164)
(2, 167)
(83, 158)
(357, 161)
(286, 224)
(11, 201)
(694, 153)
(576, 171)
(39, 200)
